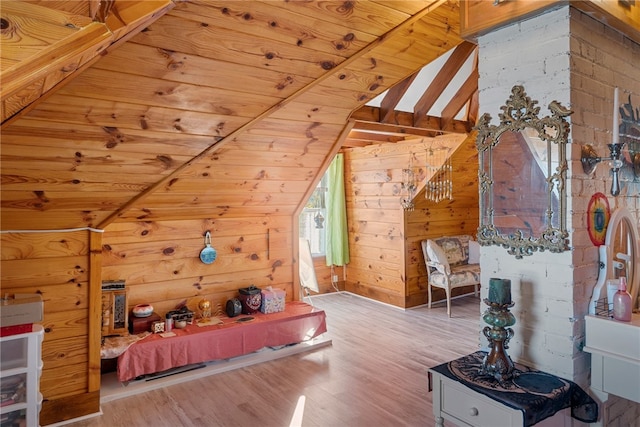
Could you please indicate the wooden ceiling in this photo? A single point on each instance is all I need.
(89, 27)
(141, 110)
(46, 42)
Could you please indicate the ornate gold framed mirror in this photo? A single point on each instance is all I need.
(522, 173)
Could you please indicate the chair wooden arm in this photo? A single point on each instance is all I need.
(438, 266)
(433, 264)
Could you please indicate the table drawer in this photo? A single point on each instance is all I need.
(475, 409)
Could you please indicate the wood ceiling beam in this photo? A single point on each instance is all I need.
(392, 129)
(364, 142)
(405, 119)
(379, 137)
(443, 78)
(462, 96)
(472, 110)
(357, 143)
(472, 116)
(393, 97)
(399, 118)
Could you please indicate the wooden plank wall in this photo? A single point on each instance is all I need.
(373, 177)
(56, 266)
(384, 239)
(448, 217)
(160, 259)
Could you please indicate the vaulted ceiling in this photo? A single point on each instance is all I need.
(118, 110)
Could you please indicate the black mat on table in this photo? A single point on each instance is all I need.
(537, 394)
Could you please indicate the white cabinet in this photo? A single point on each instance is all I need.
(464, 407)
(615, 356)
(21, 367)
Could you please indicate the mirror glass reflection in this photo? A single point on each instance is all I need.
(521, 169)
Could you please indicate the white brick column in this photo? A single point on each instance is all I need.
(535, 54)
(567, 56)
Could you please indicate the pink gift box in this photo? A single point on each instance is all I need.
(272, 300)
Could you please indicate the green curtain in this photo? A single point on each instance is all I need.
(337, 250)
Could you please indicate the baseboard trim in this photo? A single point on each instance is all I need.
(75, 420)
(441, 301)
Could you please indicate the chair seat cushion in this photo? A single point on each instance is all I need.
(461, 275)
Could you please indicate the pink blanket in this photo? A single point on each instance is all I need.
(195, 344)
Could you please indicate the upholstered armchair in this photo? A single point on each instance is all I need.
(450, 266)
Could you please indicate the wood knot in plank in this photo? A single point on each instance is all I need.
(166, 160)
(283, 84)
(347, 7)
(327, 65)
(276, 264)
(174, 65)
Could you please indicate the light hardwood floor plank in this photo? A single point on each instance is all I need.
(373, 374)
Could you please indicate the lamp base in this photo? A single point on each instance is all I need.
(497, 363)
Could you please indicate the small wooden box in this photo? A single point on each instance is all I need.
(138, 325)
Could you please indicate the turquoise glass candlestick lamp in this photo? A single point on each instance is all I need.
(497, 363)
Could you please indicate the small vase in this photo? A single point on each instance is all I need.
(142, 310)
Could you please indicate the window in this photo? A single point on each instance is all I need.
(311, 221)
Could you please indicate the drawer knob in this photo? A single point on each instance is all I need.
(473, 412)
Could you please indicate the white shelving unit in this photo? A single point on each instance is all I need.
(21, 367)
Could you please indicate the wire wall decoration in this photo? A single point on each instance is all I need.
(439, 186)
(409, 186)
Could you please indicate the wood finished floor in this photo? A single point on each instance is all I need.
(373, 374)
